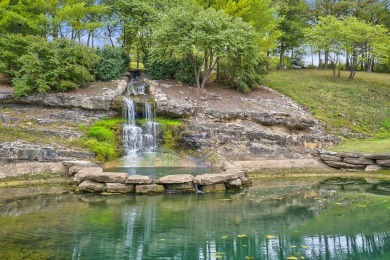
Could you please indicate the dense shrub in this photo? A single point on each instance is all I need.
(181, 70)
(36, 64)
(114, 61)
(242, 75)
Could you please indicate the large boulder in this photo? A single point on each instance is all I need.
(120, 188)
(105, 177)
(149, 189)
(90, 186)
(181, 187)
(179, 178)
(139, 179)
(212, 178)
(219, 187)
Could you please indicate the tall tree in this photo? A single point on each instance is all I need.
(293, 14)
(203, 37)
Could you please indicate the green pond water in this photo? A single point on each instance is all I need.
(278, 219)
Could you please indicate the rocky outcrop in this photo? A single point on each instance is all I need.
(232, 126)
(101, 101)
(91, 178)
(355, 161)
(18, 151)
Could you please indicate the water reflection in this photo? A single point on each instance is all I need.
(273, 220)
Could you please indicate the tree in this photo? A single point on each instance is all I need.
(327, 36)
(293, 20)
(204, 37)
(365, 42)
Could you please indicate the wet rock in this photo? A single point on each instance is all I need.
(179, 178)
(91, 186)
(120, 188)
(149, 189)
(234, 184)
(181, 187)
(139, 179)
(212, 178)
(219, 187)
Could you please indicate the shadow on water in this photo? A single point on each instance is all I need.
(282, 219)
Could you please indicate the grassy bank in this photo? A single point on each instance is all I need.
(348, 108)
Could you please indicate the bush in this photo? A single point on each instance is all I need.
(114, 62)
(35, 64)
(242, 75)
(181, 70)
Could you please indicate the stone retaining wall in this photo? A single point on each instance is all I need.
(355, 161)
(89, 177)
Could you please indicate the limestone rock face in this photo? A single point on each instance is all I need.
(139, 179)
(219, 187)
(120, 188)
(372, 168)
(91, 186)
(359, 160)
(179, 178)
(149, 189)
(345, 165)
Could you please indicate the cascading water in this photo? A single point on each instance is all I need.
(138, 141)
(134, 88)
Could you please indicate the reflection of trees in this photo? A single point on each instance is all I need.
(270, 223)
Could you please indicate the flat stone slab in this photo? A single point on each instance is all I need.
(326, 157)
(79, 164)
(120, 188)
(90, 186)
(106, 177)
(378, 156)
(372, 168)
(383, 163)
(139, 179)
(212, 178)
(181, 187)
(149, 189)
(358, 161)
(345, 165)
(179, 178)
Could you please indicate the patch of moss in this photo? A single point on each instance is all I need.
(102, 138)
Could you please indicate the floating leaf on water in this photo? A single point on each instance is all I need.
(224, 237)
(244, 245)
(269, 236)
(249, 258)
(225, 199)
(242, 193)
(242, 235)
(304, 246)
(292, 258)
(293, 246)
(162, 239)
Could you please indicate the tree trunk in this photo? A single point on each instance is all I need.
(89, 37)
(319, 59)
(137, 57)
(326, 61)
(347, 61)
(281, 57)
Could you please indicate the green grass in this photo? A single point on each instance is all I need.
(347, 108)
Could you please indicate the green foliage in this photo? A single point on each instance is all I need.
(101, 138)
(36, 64)
(180, 70)
(204, 37)
(113, 63)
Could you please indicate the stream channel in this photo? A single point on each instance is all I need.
(273, 219)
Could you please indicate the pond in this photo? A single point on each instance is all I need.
(274, 219)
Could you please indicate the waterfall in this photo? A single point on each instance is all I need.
(138, 140)
(135, 88)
